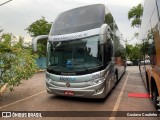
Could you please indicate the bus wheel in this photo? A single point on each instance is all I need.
(147, 83)
(154, 96)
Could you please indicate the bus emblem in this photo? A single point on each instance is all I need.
(68, 84)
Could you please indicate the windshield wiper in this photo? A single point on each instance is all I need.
(83, 67)
(87, 68)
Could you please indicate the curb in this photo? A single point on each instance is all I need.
(41, 70)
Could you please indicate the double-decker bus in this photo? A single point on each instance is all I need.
(150, 51)
(85, 53)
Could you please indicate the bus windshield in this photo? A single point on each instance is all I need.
(79, 19)
(75, 55)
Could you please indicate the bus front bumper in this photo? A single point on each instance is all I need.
(94, 91)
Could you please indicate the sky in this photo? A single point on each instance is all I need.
(17, 15)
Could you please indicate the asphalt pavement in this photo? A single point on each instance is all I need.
(31, 96)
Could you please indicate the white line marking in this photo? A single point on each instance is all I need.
(115, 108)
(22, 99)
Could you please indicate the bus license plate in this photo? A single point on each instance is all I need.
(71, 93)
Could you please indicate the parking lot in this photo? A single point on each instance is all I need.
(32, 96)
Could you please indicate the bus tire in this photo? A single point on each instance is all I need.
(147, 83)
(154, 95)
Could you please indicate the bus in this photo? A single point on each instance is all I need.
(150, 50)
(85, 53)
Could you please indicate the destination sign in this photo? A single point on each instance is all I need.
(74, 36)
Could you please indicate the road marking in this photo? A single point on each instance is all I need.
(22, 99)
(115, 108)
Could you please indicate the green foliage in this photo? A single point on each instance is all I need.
(133, 51)
(135, 14)
(40, 27)
(109, 20)
(16, 62)
(129, 51)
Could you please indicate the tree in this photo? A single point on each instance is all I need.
(40, 27)
(109, 20)
(133, 51)
(135, 15)
(129, 49)
(16, 62)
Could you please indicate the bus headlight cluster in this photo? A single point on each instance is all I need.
(49, 80)
(98, 91)
(95, 82)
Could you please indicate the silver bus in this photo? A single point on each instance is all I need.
(85, 53)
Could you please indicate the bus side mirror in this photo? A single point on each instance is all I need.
(34, 41)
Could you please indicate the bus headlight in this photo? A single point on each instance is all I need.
(49, 80)
(98, 91)
(95, 82)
